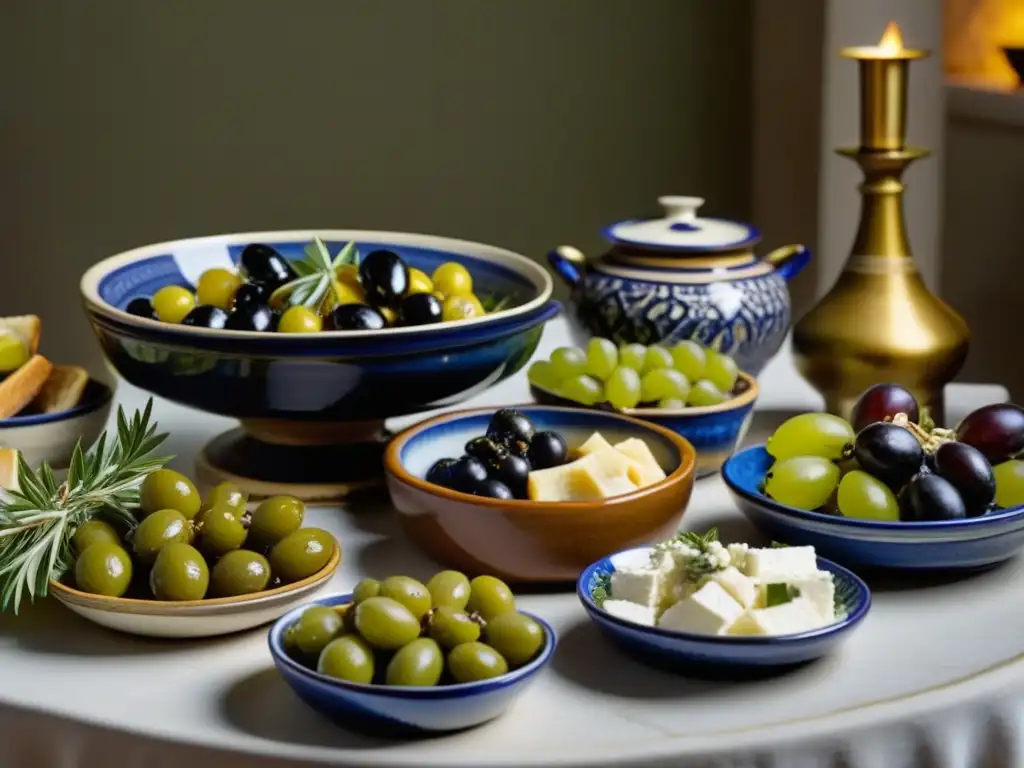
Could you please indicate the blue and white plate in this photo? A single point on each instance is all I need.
(721, 655)
(927, 546)
(397, 710)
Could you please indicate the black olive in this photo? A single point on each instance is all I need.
(495, 489)
(384, 277)
(251, 295)
(421, 309)
(262, 264)
(141, 307)
(513, 471)
(251, 319)
(440, 473)
(512, 429)
(467, 474)
(485, 449)
(357, 317)
(205, 316)
(548, 449)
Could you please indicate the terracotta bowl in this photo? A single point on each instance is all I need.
(526, 541)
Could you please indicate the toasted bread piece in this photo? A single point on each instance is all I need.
(62, 389)
(9, 469)
(28, 328)
(19, 389)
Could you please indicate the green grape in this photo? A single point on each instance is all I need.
(721, 370)
(656, 357)
(602, 358)
(663, 382)
(804, 482)
(542, 374)
(671, 404)
(622, 389)
(705, 393)
(632, 356)
(567, 362)
(689, 359)
(584, 390)
(1009, 483)
(812, 434)
(864, 497)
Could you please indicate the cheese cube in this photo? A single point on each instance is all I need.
(594, 443)
(641, 585)
(598, 475)
(709, 611)
(780, 565)
(820, 590)
(624, 609)
(742, 588)
(798, 615)
(645, 469)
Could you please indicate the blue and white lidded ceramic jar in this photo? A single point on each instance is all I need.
(685, 277)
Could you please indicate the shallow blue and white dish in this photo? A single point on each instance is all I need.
(400, 711)
(721, 655)
(927, 546)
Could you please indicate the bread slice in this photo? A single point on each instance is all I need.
(21, 387)
(28, 328)
(9, 469)
(62, 389)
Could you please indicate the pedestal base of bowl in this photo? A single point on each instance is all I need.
(312, 462)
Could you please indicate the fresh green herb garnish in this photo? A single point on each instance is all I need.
(316, 274)
(701, 564)
(602, 588)
(779, 594)
(778, 545)
(37, 524)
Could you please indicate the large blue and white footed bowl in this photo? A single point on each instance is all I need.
(685, 277)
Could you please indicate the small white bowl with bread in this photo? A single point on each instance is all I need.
(45, 409)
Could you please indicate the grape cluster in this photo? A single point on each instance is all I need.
(886, 466)
(686, 374)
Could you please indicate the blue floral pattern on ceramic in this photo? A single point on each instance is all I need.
(399, 711)
(715, 655)
(927, 546)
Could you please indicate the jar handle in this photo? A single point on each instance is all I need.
(789, 260)
(568, 263)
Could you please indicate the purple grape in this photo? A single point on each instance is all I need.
(930, 498)
(881, 401)
(888, 452)
(996, 430)
(969, 472)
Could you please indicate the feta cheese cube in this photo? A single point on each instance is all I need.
(742, 588)
(798, 615)
(781, 565)
(640, 585)
(709, 611)
(820, 590)
(624, 609)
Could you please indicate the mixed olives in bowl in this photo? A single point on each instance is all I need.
(187, 552)
(402, 654)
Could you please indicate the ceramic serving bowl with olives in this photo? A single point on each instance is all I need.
(195, 566)
(315, 346)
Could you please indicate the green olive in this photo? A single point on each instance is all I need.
(420, 664)
(92, 532)
(179, 573)
(104, 569)
(385, 623)
(301, 554)
(167, 489)
(229, 494)
(471, 662)
(409, 592)
(515, 636)
(316, 627)
(239, 572)
(276, 518)
(489, 597)
(219, 530)
(157, 530)
(450, 627)
(364, 589)
(449, 588)
(347, 658)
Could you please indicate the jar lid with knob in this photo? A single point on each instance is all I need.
(681, 230)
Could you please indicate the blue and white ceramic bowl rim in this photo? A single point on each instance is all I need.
(275, 639)
(103, 394)
(515, 262)
(991, 519)
(854, 617)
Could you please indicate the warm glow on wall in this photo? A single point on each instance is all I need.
(975, 32)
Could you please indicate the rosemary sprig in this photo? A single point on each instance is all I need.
(36, 525)
(701, 564)
(316, 275)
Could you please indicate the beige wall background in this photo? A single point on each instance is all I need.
(525, 123)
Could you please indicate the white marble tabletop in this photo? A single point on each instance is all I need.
(75, 695)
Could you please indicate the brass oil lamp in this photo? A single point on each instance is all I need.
(879, 322)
